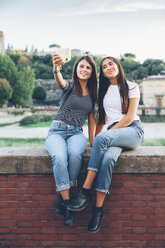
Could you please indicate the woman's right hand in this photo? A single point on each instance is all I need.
(57, 62)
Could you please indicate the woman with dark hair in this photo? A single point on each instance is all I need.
(118, 103)
(65, 142)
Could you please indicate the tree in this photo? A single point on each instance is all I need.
(39, 94)
(54, 45)
(8, 69)
(5, 91)
(129, 55)
(22, 94)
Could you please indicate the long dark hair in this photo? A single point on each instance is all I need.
(92, 81)
(103, 87)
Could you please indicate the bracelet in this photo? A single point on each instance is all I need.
(55, 72)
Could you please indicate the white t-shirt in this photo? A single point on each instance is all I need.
(112, 102)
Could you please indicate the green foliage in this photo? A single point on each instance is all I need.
(22, 94)
(35, 119)
(14, 142)
(8, 69)
(154, 66)
(130, 55)
(39, 94)
(54, 45)
(5, 91)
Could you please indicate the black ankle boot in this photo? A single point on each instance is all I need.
(68, 215)
(59, 208)
(80, 202)
(94, 224)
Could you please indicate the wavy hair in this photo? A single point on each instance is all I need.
(103, 87)
(92, 81)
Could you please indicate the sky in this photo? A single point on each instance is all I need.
(109, 27)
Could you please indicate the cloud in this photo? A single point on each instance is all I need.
(94, 7)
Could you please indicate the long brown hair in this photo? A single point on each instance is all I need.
(103, 87)
(92, 81)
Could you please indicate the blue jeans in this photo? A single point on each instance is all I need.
(106, 149)
(66, 145)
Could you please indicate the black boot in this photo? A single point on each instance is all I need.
(94, 224)
(80, 202)
(68, 215)
(59, 208)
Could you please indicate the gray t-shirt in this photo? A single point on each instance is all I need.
(76, 108)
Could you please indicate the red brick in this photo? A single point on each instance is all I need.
(139, 217)
(24, 217)
(140, 230)
(24, 237)
(156, 204)
(138, 197)
(160, 237)
(138, 224)
(157, 217)
(25, 230)
(159, 211)
(140, 184)
(160, 185)
(159, 223)
(8, 223)
(138, 204)
(4, 230)
(156, 230)
(26, 243)
(47, 237)
(138, 211)
(24, 191)
(8, 211)
(156, 244)
(138, 237)
(24, 210)
(7, 198)
(156, 191)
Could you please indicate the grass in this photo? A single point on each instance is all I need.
(154, 142)
(15, 142)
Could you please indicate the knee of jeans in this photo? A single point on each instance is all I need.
(102, 139)
(74, 155)
(58, 159)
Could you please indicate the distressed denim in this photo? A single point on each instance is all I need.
(106, 149)
(66, 145)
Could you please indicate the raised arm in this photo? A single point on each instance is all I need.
(57, 63)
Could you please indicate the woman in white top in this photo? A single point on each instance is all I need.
(118, 104)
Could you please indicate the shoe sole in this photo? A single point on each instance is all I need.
(78, 209)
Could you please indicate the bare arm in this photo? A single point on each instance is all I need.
(91, 127)
(100, 127)
(129, 117)
(57, 62)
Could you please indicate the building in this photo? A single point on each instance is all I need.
(153, 91)
(2, 43)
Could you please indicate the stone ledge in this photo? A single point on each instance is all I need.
(149, 159)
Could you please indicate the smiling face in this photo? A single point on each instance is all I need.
(84, 70)
(110, 69)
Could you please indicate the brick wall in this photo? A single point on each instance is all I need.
(134, 209)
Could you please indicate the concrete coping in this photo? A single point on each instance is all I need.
(19, 160)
